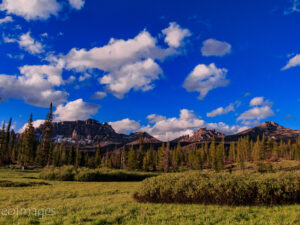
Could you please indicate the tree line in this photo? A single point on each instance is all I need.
(25, 151)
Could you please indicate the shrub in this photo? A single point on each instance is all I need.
(70, 173)
(66, 173)
(7, 183)
(223, 189)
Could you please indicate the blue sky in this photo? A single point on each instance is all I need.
(165, 67)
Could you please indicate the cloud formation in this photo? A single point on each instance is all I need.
(76, 4)
(36, 85)
(260, 101)
(186, 124)
(124, 126)
(221, 111)
(75, 110)
(6, 19)
(261, 109)
(256, 113)
(128, 64)
(136, 76)
(213, 47)
(99, 95)
(175, 35)
(295, 61)
(31, 9)
(27, 43)
(205, 78)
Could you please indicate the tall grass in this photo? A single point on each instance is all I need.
(70, 173)
(222, 189)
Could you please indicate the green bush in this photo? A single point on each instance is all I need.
(7, 183)
(222, 189)
(70, 173)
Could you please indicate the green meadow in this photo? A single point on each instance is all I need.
(26, 199)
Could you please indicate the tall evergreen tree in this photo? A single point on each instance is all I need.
(160, 158)
(72, 155)
(167, 158)
(123, 158)
(78, 157)
(2, 145)
(132, 159)
(45, 150)
(232, 154)
(98, 157)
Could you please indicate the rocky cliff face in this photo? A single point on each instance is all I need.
(91, 132)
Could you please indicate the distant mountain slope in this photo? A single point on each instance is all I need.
(92, 132)
(269, 129)
(202, 135)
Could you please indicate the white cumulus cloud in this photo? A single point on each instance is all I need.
(31, 9)
(257, 113)
(27, 43)
(137, 76)
(212, 47)
(175, 35)
(124, 126)
(260, 101)
(205, 78)
(127, 64)
(75, 110)
(36, 85)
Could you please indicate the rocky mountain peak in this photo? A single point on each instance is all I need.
(269, 129)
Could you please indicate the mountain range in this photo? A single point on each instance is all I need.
(90, 133)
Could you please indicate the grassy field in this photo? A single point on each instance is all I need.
(112, 203)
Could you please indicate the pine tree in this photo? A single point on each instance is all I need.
(78, 157)
(106, 159)
(177, 156)
(6, 143)
(12, 148)
(232, 155)
(167, 158)
(72, 156)
(140, 153)
(64, 155)
(132, 164)
(123, 158)
(98, 157)
(297, 148)
(29, 151)
(160, 158)
(213, 154)
(2, 145)
(56, 156)
(45, 150)
(220, 157)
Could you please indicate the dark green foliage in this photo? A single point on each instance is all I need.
(46, 146)
(222, 189)
(132, 159)
(7, 183)
(70, 173)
